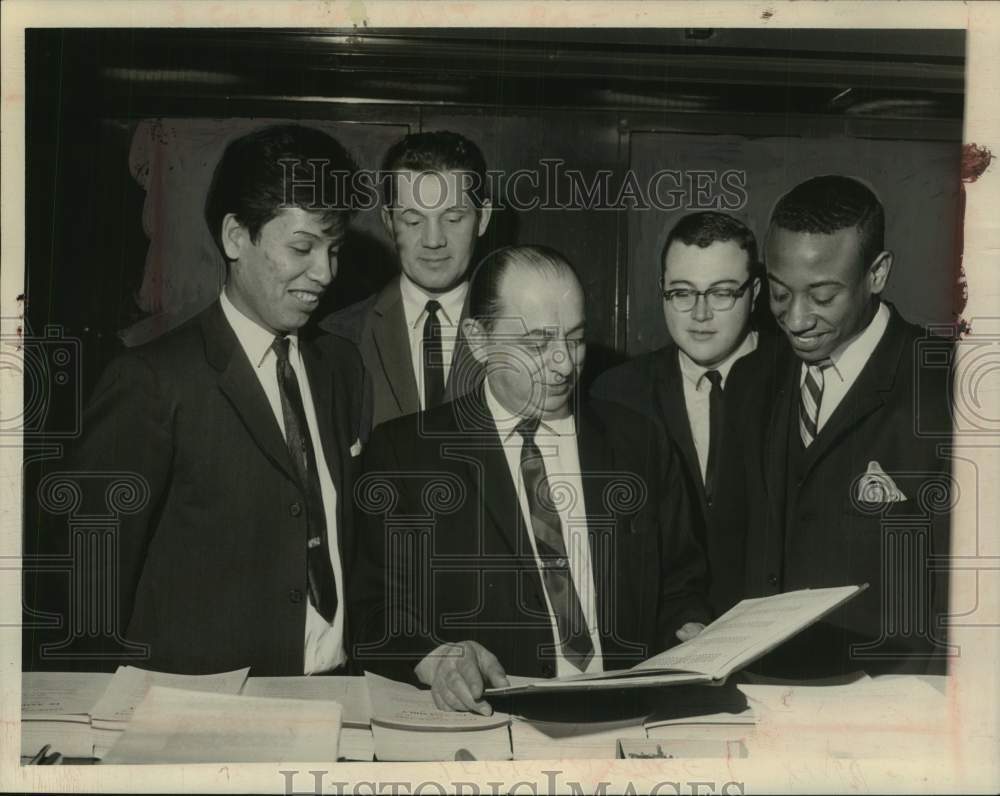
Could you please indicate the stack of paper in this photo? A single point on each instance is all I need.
(629, 749)
(56, 708)
(356, 742)
(175, 726)
(533, 739)
(407, 726)
(702, 713)
(129, 686)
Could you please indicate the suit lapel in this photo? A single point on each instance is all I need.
(596, 457)
(241, 386)
(392, 346)
(479, 443)
(776, 438)
(321, 377)
(670, 385)
(864, 396)
(465, 372)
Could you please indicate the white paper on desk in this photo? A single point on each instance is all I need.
(404, 706)
(350, 692)
(63, 696)
(176, 726)
(130, 684)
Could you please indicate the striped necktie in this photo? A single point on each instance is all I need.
(810, 399)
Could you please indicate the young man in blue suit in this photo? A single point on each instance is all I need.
(239, 425)
(844, 488)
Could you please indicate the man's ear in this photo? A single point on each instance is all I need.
(878, 274)
(386, 215)
(477, 337)
(757, 284)
(234, 237)
(485, 213)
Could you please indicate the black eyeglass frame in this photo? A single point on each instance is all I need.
(735, 294)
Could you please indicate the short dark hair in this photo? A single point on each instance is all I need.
(268, 169)
(484, 287)
(436, 151)
(831, 203)
(705, 228)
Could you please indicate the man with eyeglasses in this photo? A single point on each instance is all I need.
(709, 283)
(845, 473)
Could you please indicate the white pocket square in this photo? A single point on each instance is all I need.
(877, 486)
(356, 448)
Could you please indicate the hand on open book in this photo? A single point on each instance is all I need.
(689, 630)
(457, 675)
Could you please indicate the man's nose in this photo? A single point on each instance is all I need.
(433, 236)
(323, 268)
(798, 317)
(701, 311)
(561, 360)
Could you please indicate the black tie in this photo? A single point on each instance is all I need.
(715, 418)
(574, 636)
(433, 358)
(322, 584)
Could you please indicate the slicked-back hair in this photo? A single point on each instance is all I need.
(485, 304)
(827, 204)
(277, 167)
(436, 151)
(708, 227)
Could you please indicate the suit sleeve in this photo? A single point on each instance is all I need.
(122, 466)
(391, 633)
(682, 595)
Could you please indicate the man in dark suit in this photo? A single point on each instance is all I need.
(847, 486)
(710, 282)
(435, 208)
(239, 425)
(517, 529)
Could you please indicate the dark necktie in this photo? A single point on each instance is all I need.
(715, 418)
(322, 584)
(433, 357)
(557, 578)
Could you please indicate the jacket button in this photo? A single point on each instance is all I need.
(772, 579)
(295, 596)
(295, 509)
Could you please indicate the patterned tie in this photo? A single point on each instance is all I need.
(557, 579)
(433, 358)
(811, 398)
(715, 418)
(322, 584)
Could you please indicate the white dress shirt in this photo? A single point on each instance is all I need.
(848, 361)
(556, 440)
(697, 389)
(324, 642)
(415, 311)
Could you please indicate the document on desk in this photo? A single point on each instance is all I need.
(406, 725)
(56, 708)
(356, 741)
(740, 636)
(176, 726)
(130, 684)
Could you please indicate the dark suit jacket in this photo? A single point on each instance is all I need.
(652, 384)
(211, 570)
(377, 326)
(444, 554)
(809, 528)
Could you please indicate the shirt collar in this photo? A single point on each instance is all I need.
(694, 373)
(255, 340)
(415, 302)
(506, 423)
(848, 360)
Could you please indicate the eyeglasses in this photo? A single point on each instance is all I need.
(719, 299)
